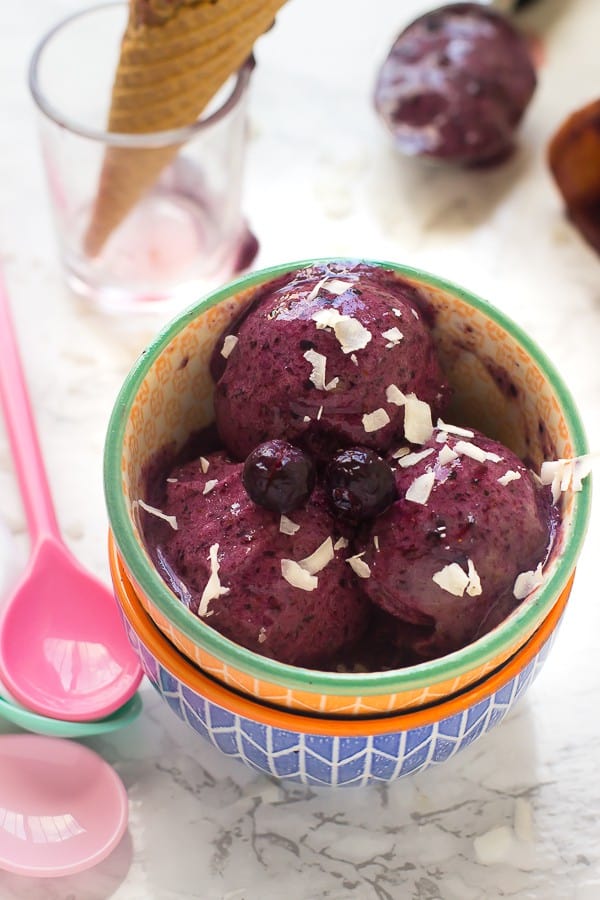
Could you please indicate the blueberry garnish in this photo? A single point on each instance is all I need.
(278, 476)
(360, 483)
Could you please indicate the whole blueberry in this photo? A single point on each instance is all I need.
(278, 476)
(360, 484)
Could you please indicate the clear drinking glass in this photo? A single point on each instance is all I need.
(187, 231)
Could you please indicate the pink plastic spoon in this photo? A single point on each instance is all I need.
(63, 649)
(62, 807)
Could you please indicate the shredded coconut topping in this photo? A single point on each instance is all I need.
(359, 566)
(317, 376)
(319, 413)
(262, 635)
(393, 336)
(286, 526)
(315, 291)
(213, 588)
(410, 459)
(376, 542)
(337, 286)
(454, 580)
(510, 475)
(397, 312)
(228, 345)
(446, 455)
(350, 333)
(400, 452)
(319, 559)
(454, 429)
(171, 520)
(204, 464)
(306, 419)
(341, 543)
(527, 582)
(354, 359)
(394, 395)
(563, 474)
(465, 448)
(420, 489)
(172, 480)
(375, 420)
(210, 485)
(298, 577)
(418, 426)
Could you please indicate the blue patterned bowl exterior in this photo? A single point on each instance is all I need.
(304, 755)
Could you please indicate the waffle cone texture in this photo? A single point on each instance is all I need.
(174, 58)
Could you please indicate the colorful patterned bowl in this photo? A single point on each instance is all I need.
(512, 392)
(326, 751)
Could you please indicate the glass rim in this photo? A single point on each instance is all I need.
(147, 140)
(297, 677)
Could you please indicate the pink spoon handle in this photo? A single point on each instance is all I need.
(29, 465)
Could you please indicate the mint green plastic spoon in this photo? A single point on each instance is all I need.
(31, 721)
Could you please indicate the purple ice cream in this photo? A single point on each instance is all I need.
(461, 546)
(456, 84)
(249, 572)
(313, 361)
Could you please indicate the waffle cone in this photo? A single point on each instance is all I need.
(168, 72)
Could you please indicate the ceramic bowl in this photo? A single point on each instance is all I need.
(511, 391)
(317, 750)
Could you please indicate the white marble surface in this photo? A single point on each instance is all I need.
(202, 826)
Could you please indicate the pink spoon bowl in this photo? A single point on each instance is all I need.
(63, 809)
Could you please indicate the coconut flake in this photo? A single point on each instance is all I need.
(210, 485)
(354, 359)
(204, 464)
(441, 437)
(172, 480)
(317, 376)
(213, 588)
(420, 489)
(474, 586)
(315, 291)
(306, 419)
(394, 395)
(411, 459)
(393, 336)
(337, 287)
(171, 520)
(262, 635)
(228, 345)
(523, 820)
(563, 474)
(494, 846)
(415, 313)
(319, 559)
(527, 582)
(319, 413)
(446, 455)
(400, 452)
(286, 526)
(466, 448)
(452, 578)
(510, 475)
(454, 429)
(359, 566)
(341, 543)
(375, 420)
(350, 333)
(418, 426)
(298, 577)
(376, 542)
(397, 312)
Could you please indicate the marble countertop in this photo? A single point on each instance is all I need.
(202, 826)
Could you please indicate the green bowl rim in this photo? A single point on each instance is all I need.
(295, 677)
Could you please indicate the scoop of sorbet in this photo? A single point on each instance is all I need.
(461, 547)
(316, 356)
(278, 585)
(456, 84)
